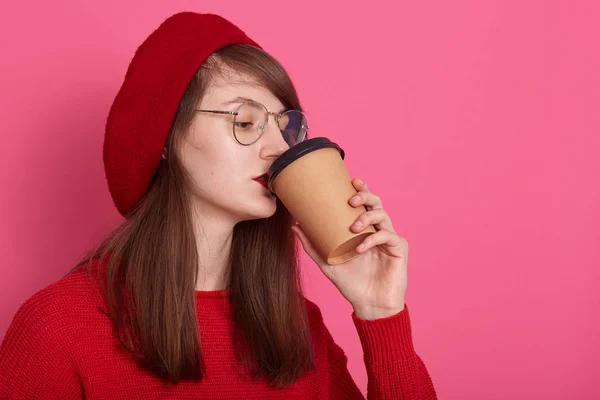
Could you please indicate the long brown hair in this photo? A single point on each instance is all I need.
(151, 261)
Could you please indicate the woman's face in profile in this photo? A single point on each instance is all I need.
(222, 170)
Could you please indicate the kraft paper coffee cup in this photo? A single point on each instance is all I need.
(312, 181)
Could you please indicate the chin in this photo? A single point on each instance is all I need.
(261, 209)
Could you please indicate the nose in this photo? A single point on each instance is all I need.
(272, 142)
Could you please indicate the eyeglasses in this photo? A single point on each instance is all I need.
(251, 119)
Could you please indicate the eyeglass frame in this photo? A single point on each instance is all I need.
(277, 117)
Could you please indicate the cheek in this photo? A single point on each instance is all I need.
(215, 160)
(214, 168)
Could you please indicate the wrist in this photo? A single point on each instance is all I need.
(371, 313)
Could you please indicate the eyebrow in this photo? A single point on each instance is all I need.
(241, 99)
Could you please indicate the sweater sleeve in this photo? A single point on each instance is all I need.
(394, 369)
(34, 358)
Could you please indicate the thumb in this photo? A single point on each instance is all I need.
(308, 247)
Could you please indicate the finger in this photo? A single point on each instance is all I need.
(367, 199)
(378, 218)
(359, 184)
(307, 245)
(391, 243)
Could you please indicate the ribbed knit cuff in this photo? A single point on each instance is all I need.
(386, 340)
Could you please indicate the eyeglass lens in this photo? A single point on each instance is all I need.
(252, 119)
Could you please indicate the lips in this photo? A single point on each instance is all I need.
(263, 179)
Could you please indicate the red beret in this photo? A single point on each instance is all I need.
(143, 110)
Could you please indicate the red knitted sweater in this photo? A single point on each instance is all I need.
(60, 346)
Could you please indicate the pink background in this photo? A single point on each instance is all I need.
(476, 122)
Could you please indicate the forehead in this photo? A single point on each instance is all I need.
(227, 86)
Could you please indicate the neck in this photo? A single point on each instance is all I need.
(213, 240)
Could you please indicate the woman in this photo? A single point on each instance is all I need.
(197, 294)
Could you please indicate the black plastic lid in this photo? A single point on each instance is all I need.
(297, 151)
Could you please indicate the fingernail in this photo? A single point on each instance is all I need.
(358, 224)
(355, 199)
(361, 247)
